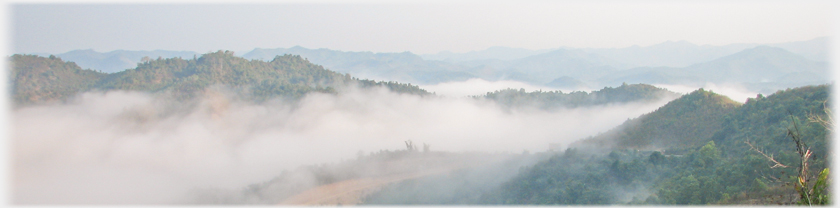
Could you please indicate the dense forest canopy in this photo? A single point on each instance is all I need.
(698, 152)
(556, 99)
(683, 122)
(38, 79)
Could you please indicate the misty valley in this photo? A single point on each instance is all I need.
(712, 125)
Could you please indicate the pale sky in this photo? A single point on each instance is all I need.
(417, 27)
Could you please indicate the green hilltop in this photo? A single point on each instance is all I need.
(687, 121)
(694, 150)
(38, 79)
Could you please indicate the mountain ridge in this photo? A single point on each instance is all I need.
(43, 80)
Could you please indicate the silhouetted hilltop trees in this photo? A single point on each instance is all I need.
(38, 79)
(554, 99)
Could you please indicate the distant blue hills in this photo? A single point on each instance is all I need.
(761, 67)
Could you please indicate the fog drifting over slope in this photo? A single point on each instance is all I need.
(734, 91)
(131, 147)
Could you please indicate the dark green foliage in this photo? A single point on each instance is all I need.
(575, 178)
(680, 125)
(37, 79)
(819, 194)
(555, 99)
(721, 170)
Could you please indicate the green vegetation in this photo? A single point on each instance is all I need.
(555, 99)
(729, 167)
(576, 177)
(680, 125)
(38, 80)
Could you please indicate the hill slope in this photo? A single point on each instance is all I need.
(686, 121)
(723, 169)
(34, 78)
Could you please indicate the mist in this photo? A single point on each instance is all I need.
(735, 92)
(122, 147)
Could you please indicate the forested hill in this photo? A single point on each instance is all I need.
(702, 116)
(38, 79)
(688, 121)
(554, 99)
(724, 169)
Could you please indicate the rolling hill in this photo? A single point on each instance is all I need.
(697, 149)
(40, 80)
(685, 122)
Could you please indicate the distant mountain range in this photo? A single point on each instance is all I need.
(669, 53)
(495, 52)
(755, 67)
(763, 68)
(403, 67)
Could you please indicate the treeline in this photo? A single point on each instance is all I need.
(556, 99)
(38, 79)
(724, 169)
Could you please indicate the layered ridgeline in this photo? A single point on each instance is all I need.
(693, 150)
(625, 93)
(761, 69)
(38, 79)
(405, 66)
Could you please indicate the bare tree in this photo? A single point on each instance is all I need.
(816, 194)
(777, 164)
(409, 145)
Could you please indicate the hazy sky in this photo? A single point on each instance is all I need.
(415, 27)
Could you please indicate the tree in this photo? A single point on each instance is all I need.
(817, 194)
(656, 158)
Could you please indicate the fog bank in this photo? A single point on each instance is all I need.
(134, 148)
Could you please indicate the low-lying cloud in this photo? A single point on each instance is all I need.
(735, 92)
(134, 148)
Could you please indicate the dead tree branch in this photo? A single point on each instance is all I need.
(769, 157)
